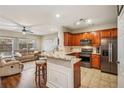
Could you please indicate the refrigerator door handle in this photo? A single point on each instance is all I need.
(109, 54)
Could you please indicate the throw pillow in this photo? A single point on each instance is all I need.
(18, 54)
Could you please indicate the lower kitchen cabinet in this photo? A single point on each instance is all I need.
(63, 73)
(95, 61)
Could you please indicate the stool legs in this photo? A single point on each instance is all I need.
(38, 74)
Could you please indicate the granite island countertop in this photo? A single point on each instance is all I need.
(61, 56)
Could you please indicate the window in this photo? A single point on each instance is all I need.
(27, 44)
(22, 44)
(6, 46)
(31, 44)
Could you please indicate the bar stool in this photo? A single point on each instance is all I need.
(40, 71)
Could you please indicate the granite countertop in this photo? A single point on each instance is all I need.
(62, 56)
(79, 52)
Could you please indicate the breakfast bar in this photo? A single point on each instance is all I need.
(63, 72)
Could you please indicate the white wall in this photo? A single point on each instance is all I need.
(17, 35)
(49, 42)
(94, 28)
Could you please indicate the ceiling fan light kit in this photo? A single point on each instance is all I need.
(87, 21)
(23, 33)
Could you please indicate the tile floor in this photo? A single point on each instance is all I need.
(93, 78)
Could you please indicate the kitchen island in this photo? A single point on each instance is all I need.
(63, 71)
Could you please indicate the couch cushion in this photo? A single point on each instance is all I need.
(28, 56)
(18, 54)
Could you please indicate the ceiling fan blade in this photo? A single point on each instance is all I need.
(7, 25)
(12, 21)
(29, 31)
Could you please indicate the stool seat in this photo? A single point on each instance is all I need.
(41, 62)
(43, 58)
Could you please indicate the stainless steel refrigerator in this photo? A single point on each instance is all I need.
(109, 55)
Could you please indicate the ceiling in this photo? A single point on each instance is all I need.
(44, 17)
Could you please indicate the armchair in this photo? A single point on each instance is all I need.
(10, 68)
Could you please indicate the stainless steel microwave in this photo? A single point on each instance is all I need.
(85, 42)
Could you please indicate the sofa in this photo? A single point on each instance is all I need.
(26, 56)
(10, 67)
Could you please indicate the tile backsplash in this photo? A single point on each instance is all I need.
(78, 48)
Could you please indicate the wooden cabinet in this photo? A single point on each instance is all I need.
(95, 61)
(105, 33)
(77, 75)
(96, 39)
(68, 39)
(114, 33)
(74, 39)
(108, 33)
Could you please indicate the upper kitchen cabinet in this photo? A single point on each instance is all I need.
(114, 33)
(68, 38)
(108, 33)
(96, 38)
(86, 35)
(76, 40)
(105, 33)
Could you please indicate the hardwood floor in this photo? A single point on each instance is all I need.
(24, 80)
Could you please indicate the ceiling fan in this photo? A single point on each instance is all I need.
(24, 29)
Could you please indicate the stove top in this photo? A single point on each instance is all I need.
(86, 52)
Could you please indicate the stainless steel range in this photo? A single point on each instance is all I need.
(85, 56)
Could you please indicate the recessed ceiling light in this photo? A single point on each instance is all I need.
(88, 21)
(57, 15)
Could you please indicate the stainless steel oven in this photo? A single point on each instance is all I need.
(85, 56)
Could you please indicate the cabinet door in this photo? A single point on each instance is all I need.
(95, 61)
(77, 75)
(69, 39)
(114, 33)
(66, 38)
(73, 40)
(77, 40)
(106, 34)
(96, 39)
(82, 36)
